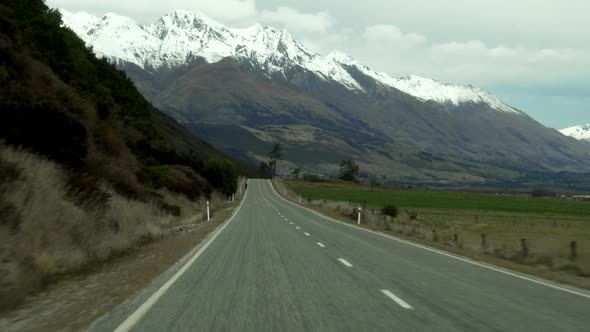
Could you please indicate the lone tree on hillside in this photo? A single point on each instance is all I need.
(275, 154)
(373, 181)
(295, 172)
(223, 175)
(264, 170)
(349, 170)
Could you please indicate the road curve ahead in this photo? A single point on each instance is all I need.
(279, 267)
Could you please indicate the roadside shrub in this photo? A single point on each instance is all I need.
(413, 215)
(390, 210)
(543, 193)
(168, 208)
(223, 175)
(312, 178)
(176, 178)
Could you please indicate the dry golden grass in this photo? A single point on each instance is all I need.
(46, 231)
(191, 211)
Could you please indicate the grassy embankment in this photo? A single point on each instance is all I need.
(548, 225)
(45, 232)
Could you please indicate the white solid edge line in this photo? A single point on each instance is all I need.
(128, 323)
(396, 299)
(463, 259)
(321, 245)
(344, 262)
(306, 234)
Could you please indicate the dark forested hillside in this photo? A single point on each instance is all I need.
(60, 100)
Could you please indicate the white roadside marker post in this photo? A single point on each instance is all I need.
(208, 213)
(359, 217)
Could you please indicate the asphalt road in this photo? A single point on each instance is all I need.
(279, 267)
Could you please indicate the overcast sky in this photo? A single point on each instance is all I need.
(532, 54)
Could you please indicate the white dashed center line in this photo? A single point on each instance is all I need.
(396, 299)
(344, 262)
(321, 245)
(297, 227)
(306, 234)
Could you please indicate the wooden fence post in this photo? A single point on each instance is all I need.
(573, 250)
(524, 247)
(484, 242)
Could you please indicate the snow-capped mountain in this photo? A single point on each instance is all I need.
(181, 36)
(425, 88)
(178, 37)
(578, 132)
(241, 89)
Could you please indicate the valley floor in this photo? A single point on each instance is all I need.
(530, 235)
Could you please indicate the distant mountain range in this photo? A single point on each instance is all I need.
(243, 89)
(578, 132)
(181, 37)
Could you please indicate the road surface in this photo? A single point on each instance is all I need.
(279, 267)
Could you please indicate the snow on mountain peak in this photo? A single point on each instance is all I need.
(340, 57)
(429, 89)
(81, 21)
(426, 88)
(578, 132)
(181, 36)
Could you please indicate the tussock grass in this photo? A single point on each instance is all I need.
(48, 229)
(192, 211)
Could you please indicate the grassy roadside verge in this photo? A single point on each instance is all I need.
(547, 251)
(49, 230)
(74, 301)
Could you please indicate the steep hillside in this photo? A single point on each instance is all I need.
(261, 81)
(58, 99)
(88, 167)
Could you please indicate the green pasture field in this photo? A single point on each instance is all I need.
(437, 199)
(549, 225)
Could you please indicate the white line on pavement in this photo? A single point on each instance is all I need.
(306, 234)
(128, 323)
(519, 275)
(345, 262)
(396, 299)
(297, 227)
(321, 245)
